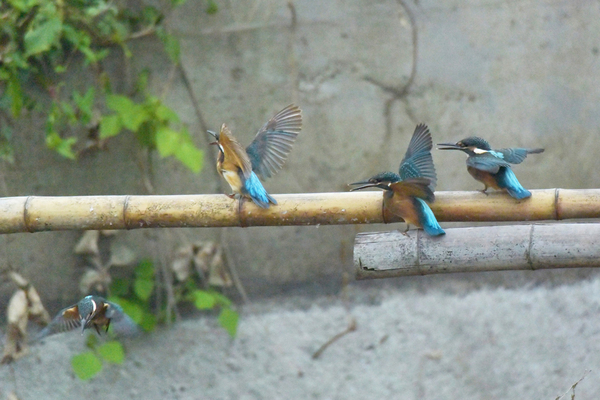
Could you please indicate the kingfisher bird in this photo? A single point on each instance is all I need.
(263, 157)
(405, 193)
(492, 167)
(91, 312)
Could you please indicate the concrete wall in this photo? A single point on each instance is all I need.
(519, 74)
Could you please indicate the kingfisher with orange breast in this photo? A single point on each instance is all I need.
(492, 167)
(405, 194)
(91, 312)
(264, 157)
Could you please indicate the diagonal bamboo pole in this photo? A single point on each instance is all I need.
(39, 213)
(477, 249)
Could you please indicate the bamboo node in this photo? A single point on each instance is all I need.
(126, 221)
(26, 215)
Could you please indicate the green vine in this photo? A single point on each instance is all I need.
(41, 41)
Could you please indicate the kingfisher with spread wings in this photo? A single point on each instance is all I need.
(91, 312)
(264, 157)
(406, 194)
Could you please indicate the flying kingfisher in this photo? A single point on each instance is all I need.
(405, 193)
(492, 167)
(91, 311)
(263, 157)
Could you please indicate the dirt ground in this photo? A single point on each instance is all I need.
(491, 343)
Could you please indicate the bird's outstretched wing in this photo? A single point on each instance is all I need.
(273, 142)
(417, 161)
(66, 320)
(487, 162)
(517, 155)
(415, 187)
(121, 323)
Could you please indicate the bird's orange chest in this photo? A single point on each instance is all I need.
(402, 206)
(484, 177)
(231, 173)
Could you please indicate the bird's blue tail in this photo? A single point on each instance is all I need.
(254, 189)
(430, 224)
(507, 180)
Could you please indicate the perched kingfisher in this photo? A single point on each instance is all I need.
(492, 167)
(91, 311)
(405, 193)
(263, 157)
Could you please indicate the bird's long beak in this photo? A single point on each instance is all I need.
(213, 134)
(84, 322)
(367, 184)
(448, 146)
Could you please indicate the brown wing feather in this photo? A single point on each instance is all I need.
(66, 320)
(234, 152)
(415, 187)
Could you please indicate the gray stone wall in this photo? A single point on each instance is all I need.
(519, 74)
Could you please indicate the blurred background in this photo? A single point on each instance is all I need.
(520, 74)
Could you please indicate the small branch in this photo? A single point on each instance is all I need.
(573, 386)
(351, 328)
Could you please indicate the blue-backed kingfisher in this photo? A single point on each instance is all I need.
(405, 193)
(263, 157)
(91, 312)
(492, 167)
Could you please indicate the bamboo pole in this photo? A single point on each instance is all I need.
(39, 213)
(477, 249)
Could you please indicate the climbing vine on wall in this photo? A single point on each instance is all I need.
(42, 43)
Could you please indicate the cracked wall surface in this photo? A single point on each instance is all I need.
(519, 74)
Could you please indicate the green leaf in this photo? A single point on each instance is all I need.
(176, 3)
(112, 352)
(91, 341)
(143, 288)
(119, 287)
(228, 319)
(85, 104)
(172, 47)
(148, 322)
(211, 7)
(221, 299)
(110, 125)
(86, 365)
(134, 310)
(204, 300)
(145, 269)
(166, 114)
(15, 92)
(135, 117)
(42, 37)
(167, 141)
(190, 156)
(60, 145)
(122, 105)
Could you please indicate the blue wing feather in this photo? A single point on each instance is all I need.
(417, 161)
(273, 142)
(517, 155)
(427, 219)
(507, 179)
(487, 162)
(256, 191)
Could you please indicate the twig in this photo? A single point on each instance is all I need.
(351, 328)
(232, 268)
(573, 386)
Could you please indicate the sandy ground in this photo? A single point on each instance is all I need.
(524, 343)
